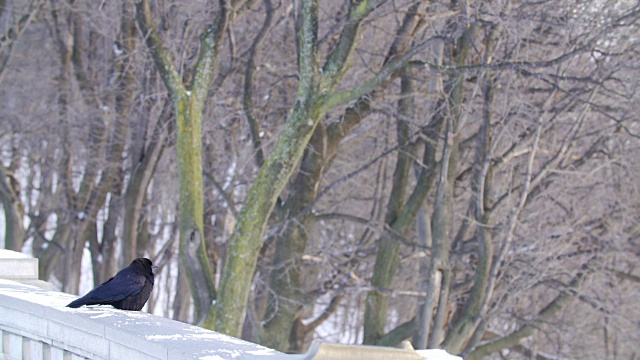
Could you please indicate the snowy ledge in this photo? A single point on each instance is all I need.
(35, 324)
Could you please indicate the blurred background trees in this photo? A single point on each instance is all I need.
(460, 174)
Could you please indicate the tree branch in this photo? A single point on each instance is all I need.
(161, 57)
(339, 60)
(384, 73)
(247, 102)
(527, 330)
(326, 313)
(210, 41)
(397, 335)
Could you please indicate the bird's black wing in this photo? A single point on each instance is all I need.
(118, 288)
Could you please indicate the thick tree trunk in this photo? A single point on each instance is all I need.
(388, 254)
(287, 296)
(246, 240)
(192, 246)
(188, 103)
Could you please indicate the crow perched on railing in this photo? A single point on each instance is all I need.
(129, 289)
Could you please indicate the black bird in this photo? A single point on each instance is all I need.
(128, 290)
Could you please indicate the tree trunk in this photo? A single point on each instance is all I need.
(144, 163)
(192, 243)
(400, 214)
(188, 103)
(388, 254)
(181, 297)
(287, 295)
(246, 240)
(104, 260)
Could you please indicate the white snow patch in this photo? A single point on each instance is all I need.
(8, 254)
(104, 315)
(261, 352)
(201, 333)
(36, 295)
(166, 337)
(231, 353)
(437, 354)
(197, 336)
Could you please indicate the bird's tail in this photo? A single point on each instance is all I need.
(76, 303)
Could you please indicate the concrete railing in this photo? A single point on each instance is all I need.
(35, 324)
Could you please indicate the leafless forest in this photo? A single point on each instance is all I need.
(460, 174)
